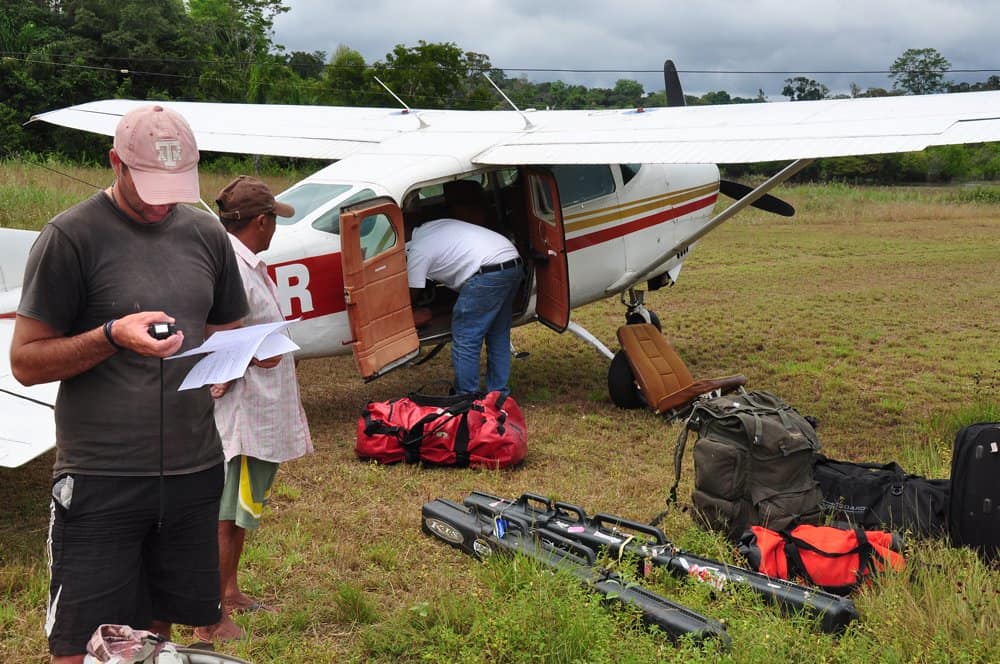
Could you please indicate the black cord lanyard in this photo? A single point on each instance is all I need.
(163, 499)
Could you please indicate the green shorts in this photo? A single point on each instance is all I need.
(247, 490)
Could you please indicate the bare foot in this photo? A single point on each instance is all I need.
(242, 602)
(224, 630)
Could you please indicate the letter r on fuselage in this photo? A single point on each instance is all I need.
(292, 280)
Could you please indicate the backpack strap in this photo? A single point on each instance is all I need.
(766, 409)
(678, 458)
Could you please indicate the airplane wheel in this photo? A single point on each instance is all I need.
(633, 318)
(621, 383)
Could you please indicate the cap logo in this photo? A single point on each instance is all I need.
(168, 153)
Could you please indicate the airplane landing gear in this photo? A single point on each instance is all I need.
(636, 311)
(621, 384)
(621, 381)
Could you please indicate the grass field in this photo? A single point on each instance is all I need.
(872, 309)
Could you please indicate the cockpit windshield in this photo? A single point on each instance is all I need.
(307, 198)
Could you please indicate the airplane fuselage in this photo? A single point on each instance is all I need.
(617, 219)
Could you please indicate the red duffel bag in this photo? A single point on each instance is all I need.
(468, 430)
(837, 560)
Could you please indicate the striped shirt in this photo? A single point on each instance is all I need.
(261, 414)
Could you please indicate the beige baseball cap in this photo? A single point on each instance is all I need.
(158, 147)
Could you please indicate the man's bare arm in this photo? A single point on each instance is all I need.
(40, 354)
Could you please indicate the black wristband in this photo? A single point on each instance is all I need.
(107, 334)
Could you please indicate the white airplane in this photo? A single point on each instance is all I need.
(597, 202)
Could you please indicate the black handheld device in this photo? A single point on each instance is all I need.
(161, 330)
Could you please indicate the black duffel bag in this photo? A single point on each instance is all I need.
(883, 496)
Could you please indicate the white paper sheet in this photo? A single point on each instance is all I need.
(229, 353)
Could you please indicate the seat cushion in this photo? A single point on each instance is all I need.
(662, 376)
(658, 370)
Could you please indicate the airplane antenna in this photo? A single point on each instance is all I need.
(406, 109)
(527, 122)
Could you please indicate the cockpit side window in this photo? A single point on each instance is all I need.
(329, 221)
(629, 171)
(581, 183)
(307, 197)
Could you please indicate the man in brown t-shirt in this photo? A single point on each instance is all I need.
(138, 469)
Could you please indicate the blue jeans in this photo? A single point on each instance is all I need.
(483, 312)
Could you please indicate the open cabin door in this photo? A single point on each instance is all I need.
(548, 248)
(375, 286)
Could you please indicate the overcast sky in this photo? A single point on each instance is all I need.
(792, 37)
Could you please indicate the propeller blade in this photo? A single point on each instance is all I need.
(672, 84)
(767, 202)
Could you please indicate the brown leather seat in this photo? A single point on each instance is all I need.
(663, 379)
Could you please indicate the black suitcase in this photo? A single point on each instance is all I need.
(975, 489)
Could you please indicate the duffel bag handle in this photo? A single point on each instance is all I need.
(422, 396)
(415, 436)
(793, 544)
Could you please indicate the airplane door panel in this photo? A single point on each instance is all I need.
(548, 249)
(375, 287)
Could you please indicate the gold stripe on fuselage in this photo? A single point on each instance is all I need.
(581, 221)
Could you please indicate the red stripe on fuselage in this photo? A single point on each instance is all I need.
(590, 239)
(318, 290)
(314, 286)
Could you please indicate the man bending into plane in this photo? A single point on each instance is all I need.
(139, 466)
(484, 268)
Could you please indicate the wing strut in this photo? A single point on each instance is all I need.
(584, 334)
(761, 189)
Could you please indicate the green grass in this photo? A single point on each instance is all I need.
(873, 309)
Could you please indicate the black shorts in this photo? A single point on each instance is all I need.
(109, 562)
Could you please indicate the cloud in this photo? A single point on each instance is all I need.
(831, 42)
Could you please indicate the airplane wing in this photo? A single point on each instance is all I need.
(315, 132)
(27, 426)
(736, 133)
(742, 133)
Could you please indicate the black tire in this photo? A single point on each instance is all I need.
(621, 384)
(632, 319)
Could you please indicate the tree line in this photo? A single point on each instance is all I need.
(54, 53)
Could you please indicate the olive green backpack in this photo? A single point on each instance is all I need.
(753, 463)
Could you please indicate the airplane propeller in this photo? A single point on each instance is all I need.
(675, 97)
(767, 202)
(672, 84)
